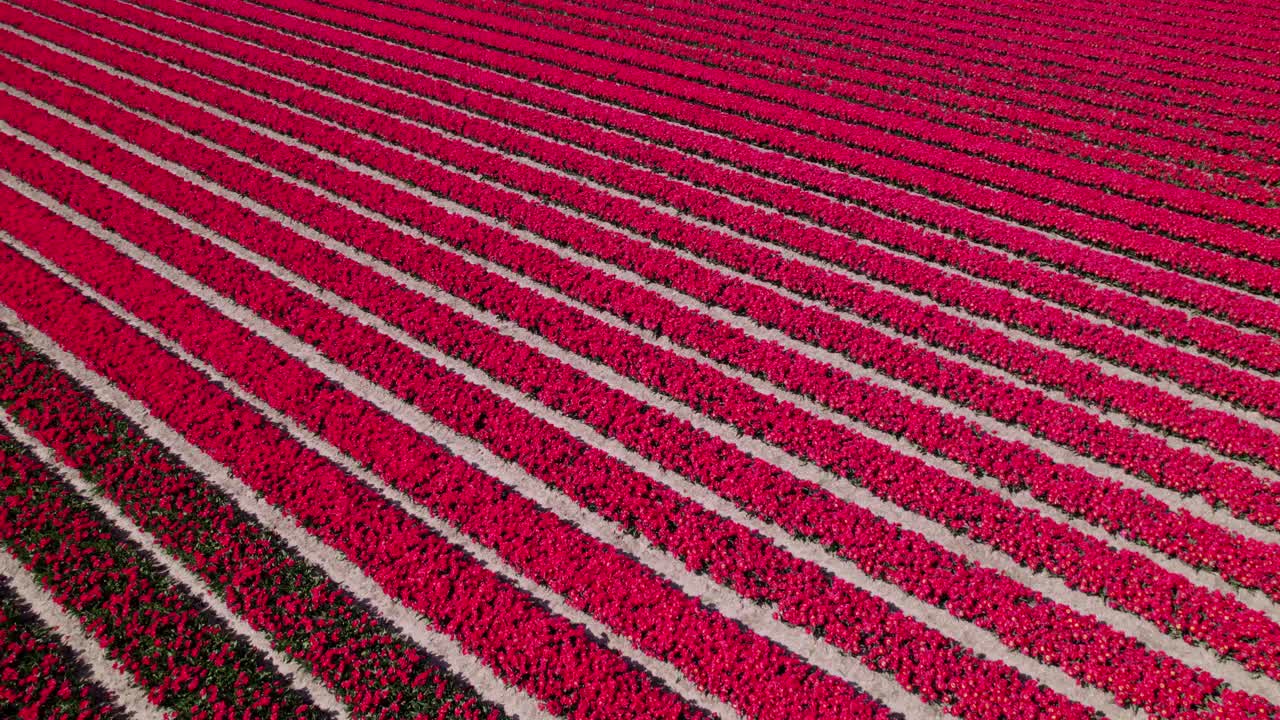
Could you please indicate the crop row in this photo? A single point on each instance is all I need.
(988, 185)
(298, 205)
(1158, 158)
(761, 164)
(1240, 487)
(155, 630)
(712, 650)
(1167, 89)
(859, 622)
(591, 346)
(1034, 317)
(856, 106)
(1044, 477)
(1236, 487)
(1023, 96)
(307, 614)
(40, 677)
(293, 204)
(489, 617)
(1080, 380)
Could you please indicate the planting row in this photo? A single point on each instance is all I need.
(1166, 159)
(900, 47)
(294, 205)
(489, 617)
(645, 361)
(861, 106)
(1134, 452)
(699, 539)
(707, 647)
(1216, 35)
(1079, 380)
(1092, 215)
(298, 204)
(1217, 92)
(1214, 300)
(1219, 339)
(308, 615)
(1234, 484)
(1196, 371)
(1050, 63)
(154, 630)
(40, 677)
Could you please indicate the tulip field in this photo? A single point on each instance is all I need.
(655, 359)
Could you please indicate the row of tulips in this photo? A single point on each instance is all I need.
(1159, 684)
(525, 643)
(1005, 38)
(710, 649)
(850, 618)
(304, 207)
(1194, 371)
(1152, 456)
(1234, 486)
(1144, 279)
(919, 92)
(859, 106)
(39, 676)
(1080, 380)
(1220, 339)
(1107, 104)
(1202, 24)
(296, 203)
(1033, 94)
(538, 448)
(768, 573)
(1095, 18)
(153, 629)
(1090, 214)
(307, 615)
